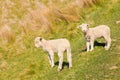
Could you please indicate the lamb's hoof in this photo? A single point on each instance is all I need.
(106, 48)
(87, 50)
(91, 50)
(70, 67)
(52, 66)
(59, 69)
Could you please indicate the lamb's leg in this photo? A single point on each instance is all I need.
(108, 43)
(88, 46)
(49, 57)
(60, 55)
(52, 58)
(69, 57)
(92, 45)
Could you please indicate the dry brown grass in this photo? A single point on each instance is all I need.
(114, 1)
(37, 20)
(3, 65)
(38, 17)
(43, 17)
(6, 34)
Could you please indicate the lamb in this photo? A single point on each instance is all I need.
(57, 45)
(91, 34)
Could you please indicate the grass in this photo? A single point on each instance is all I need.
(20, 60)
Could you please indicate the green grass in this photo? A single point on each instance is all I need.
(29, 63)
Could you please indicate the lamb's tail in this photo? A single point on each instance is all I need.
(69, 57)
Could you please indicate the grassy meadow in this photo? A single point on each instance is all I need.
(22, 20)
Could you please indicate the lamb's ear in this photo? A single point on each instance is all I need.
(40, 39)
(88, 25)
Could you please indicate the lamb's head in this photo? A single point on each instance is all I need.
(83, 27)
(38, 42)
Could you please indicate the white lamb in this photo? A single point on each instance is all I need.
(57, 45)
(91, 34)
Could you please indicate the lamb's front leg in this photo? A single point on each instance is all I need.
(92, 45)
(88, 46)
(51, 58)
(60, 55)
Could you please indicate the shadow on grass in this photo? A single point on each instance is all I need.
(64, 64)
(96, 43)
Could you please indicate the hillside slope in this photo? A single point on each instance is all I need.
(20, 60)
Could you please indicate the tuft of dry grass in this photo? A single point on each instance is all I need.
(89, 2)
(6, 34)
(37, 19)
(113, 67)
(3, 65)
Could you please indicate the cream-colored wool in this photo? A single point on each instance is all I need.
(56, 45)
(91, 34)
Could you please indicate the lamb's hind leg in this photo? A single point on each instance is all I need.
(108, 43)
(60, 55)
(69, 57)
